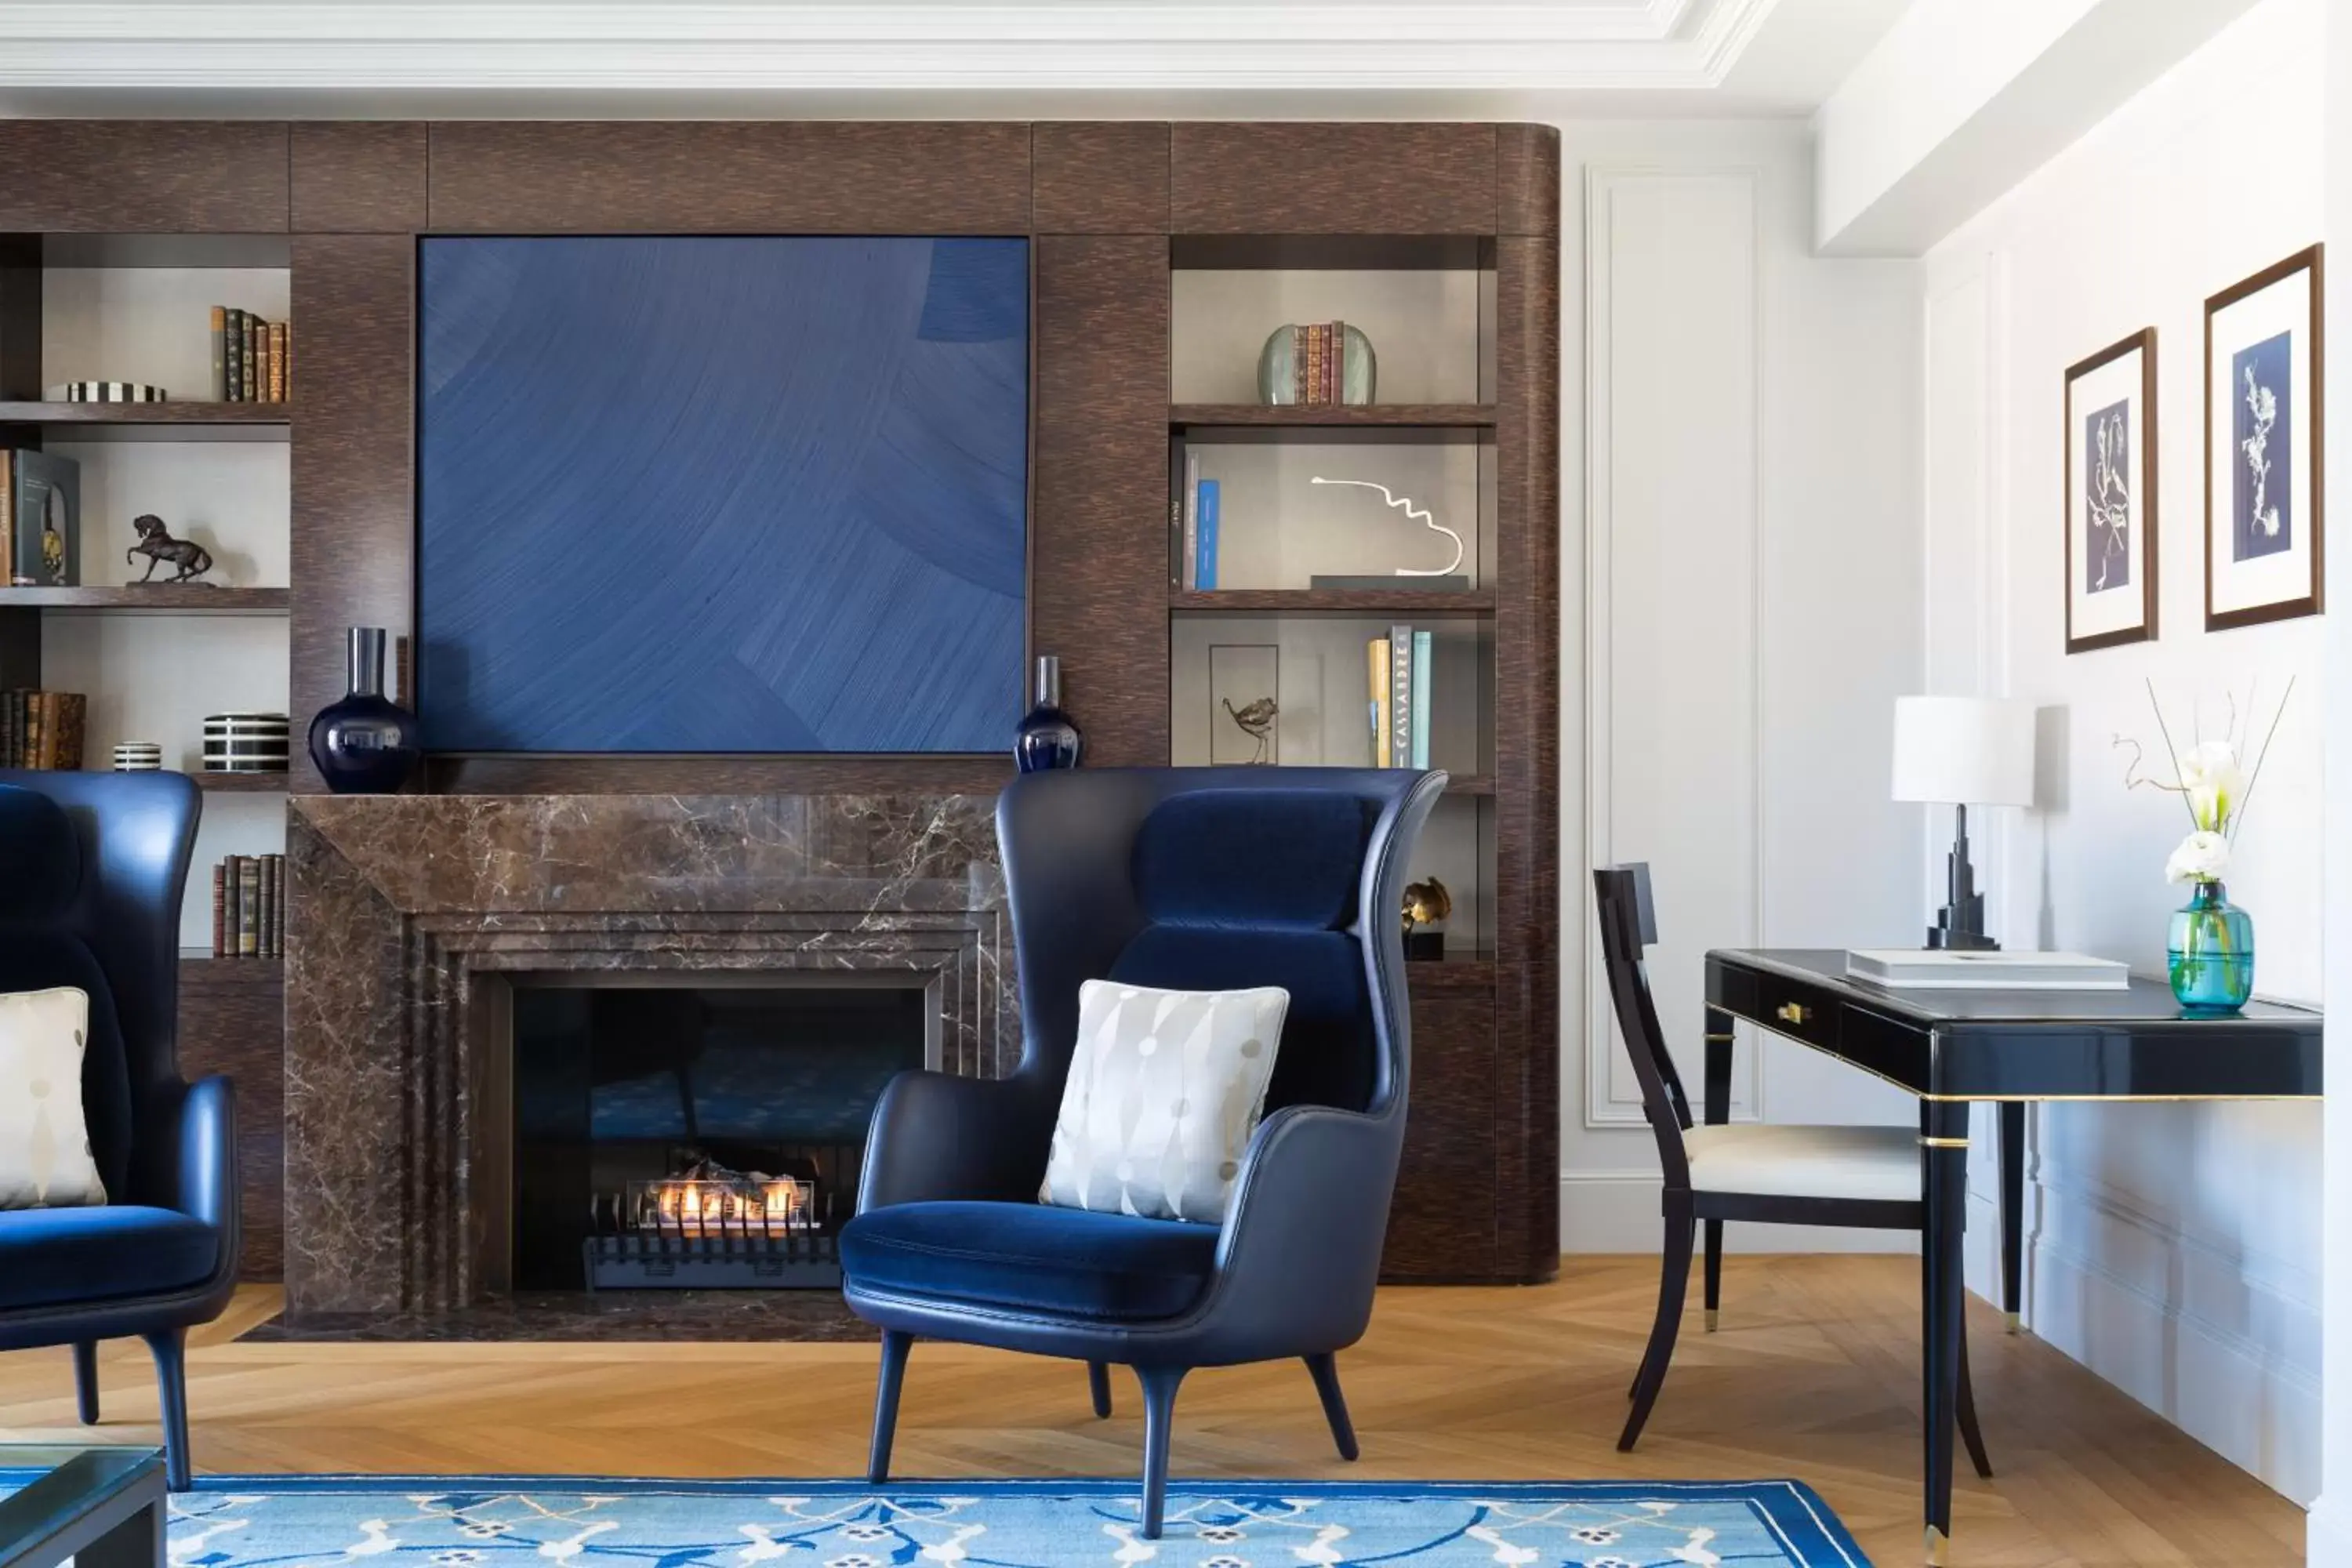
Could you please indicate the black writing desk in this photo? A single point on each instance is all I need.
(1951, 1048)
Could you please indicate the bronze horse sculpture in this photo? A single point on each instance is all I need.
(156, 543)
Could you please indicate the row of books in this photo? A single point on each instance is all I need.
(250, 907)
(1195, 522)
(1318, 364)
(40, 518)
(42, 730)
(251, 359)
(1398, 668)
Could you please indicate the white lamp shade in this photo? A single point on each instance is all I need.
(1963, 751)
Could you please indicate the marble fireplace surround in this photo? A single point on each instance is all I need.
(409, 913)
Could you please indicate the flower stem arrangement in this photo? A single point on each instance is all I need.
(2211, 952)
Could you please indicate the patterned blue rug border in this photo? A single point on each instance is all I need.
(1793, 1511)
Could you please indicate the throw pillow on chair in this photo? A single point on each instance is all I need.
(45, 1154)
(1165, 1089)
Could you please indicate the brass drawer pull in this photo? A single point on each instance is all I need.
(1792, 1012)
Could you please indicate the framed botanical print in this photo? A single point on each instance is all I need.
(2110, 495)
(2264, 533)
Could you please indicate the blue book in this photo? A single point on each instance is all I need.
(1421, 646)
(1204, 559)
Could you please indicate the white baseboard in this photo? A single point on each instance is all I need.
(1617, 1211)
(2328, 1534)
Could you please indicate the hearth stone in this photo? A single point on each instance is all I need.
(412, 915)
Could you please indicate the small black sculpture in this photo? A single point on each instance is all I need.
(1254, 719)
(156, 543)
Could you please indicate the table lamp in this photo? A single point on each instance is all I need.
(1962, 751)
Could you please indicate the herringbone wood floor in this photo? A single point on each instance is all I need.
(1815, 1374)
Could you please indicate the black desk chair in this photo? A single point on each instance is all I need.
(1865, 1177)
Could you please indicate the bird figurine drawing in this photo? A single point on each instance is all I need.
(1255, 720)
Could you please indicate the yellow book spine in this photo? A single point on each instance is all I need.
(1377, 651)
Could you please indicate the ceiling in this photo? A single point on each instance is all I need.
(931, 58)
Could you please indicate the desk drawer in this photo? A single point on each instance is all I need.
(1793, 1009)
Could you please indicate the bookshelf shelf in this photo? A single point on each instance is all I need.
(1372, 417)
(156, 421)
(198, 967)
(240, 784)
(167, 598)
(1333, 602)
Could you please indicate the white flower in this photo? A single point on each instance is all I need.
(2202, 857)
(2215, 783)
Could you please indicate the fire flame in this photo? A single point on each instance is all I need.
(711, 1207)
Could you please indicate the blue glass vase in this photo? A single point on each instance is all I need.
(366, 743)
(2211, 953)
(1046, 738)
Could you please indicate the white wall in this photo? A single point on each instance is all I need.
(2172, 1247)
(1740, 605)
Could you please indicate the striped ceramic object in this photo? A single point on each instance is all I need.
(138, 757)
(246, 742)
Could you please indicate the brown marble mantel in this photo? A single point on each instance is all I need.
(408, 914)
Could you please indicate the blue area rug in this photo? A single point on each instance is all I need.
(526, 1521)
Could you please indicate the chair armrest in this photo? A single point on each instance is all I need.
(936, 1135)
(1301, 1251)
(203, 1171)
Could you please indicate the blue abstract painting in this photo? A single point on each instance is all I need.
(2260, 520)
(709, 494)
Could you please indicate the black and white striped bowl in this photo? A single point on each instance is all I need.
(138, 757)
(246, 742)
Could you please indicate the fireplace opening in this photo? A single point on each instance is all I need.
(697, 1137)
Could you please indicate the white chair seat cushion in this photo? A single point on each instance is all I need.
(1879, 1163)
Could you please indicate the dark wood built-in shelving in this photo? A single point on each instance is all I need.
(1374, 416)
(224, 414)
(177, 598)
(1335, 601)
(241, 783)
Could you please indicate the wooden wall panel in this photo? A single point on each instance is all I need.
(354, 529)
(1527, 179)
(233, 1021)
(142, 176)
(769, 177)
(1441, 1223)
(1099, 531)
(1526, 754)
(358, 176)
(1279, 178)
(1107, 177)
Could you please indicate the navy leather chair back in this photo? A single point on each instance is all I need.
(109, 927)
(1258, 887)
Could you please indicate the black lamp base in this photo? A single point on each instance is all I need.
(1959, 924)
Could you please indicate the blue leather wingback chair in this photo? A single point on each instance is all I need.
(91, 869)
(1195, 879)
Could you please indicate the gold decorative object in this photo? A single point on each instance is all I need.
(1426, 903)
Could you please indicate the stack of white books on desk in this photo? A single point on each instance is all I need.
(1906, 968)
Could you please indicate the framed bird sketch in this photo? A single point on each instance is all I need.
(2110, 495)
(2264, 361)
(1245, 719)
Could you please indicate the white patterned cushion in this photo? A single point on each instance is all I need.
(44, 1159)
(1165, 1089)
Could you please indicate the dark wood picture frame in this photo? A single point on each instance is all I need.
(2314, 421)
(2142, 342)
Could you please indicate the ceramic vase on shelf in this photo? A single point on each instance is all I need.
(1046, 738)
(364, 745)
(2212, 952)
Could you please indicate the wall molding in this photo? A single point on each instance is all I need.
(1114, 45)
(1610, 1101)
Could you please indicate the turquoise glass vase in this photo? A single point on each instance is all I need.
(2212, 952)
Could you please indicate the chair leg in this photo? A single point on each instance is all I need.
(894, 1346)
(85, 1359)
(1160, 1384)
(1325, 1370)
(1714, 1272)
(170, 1349)
(1673, 1283)
(1098, 1384)
(1969, 1432)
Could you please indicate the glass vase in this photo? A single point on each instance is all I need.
(2211, 953)
(364, 745)
(1046, 738)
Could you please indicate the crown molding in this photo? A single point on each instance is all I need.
(1115, 45)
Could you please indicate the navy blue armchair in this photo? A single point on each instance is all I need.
(1200, 879)
(92, 870)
